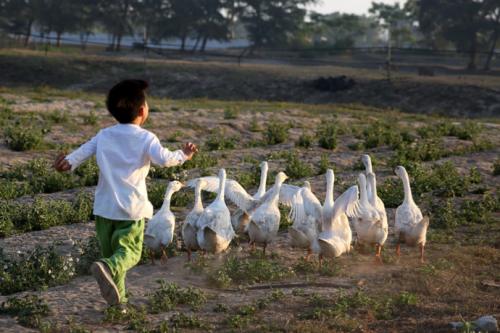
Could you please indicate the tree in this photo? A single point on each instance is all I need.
(86, 19)
(116, 17)
(340, 30)
(59, 16)
(272, 22)
(211, 23)
(492, 24)
(459, 21)
(396, 19)
(19, 16)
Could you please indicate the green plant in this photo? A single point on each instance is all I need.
(327, 136)
(276, 132)
(305, 140)
(248, 271)
(218, 141)
(170, 295)
(231, 113)
(29, 309)
(254, 125)
(58, 116)
(90, 118)
(324, 164)
(21, 138)
(296, 168)
(496, 167)
(180, 320)
(391, 192)
(89, 252)
(380, 134)
(37, 269)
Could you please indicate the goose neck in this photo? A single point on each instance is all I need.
(222, 187)
(407, 189)
(197, 198)
(262, 184)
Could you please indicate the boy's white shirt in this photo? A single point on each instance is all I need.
(123, 153)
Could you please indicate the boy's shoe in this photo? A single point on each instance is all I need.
(109, 291)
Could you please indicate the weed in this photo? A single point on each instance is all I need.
(43, 214)
(380, 134)
(276, 132)
(296, 168)
(11, 189)
(37, 269)
(248, 271)
(20, 138)
(391, 192)
(327, 136)
(170, 295)
(29, 310)
(90, 118)
(238, 321)
(218, 141)
(89, 252)
(324, 164)
(58, 116)
(496, 167)
(285, 221)
(305, 140)
(174, 136)
(221, 308)
(231, 113)
(254, 125)
(180, 320)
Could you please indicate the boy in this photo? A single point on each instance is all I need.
(123, 153)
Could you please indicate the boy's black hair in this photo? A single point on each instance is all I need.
(125, 100)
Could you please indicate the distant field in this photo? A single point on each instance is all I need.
(451, 92)
(55, 103)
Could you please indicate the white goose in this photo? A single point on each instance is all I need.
(265, 219)
(368, 224)
(367, 162)
(312, 220)
(336, 237)
(240, 218)
(190, 226)
(411, 226)
(215, 230)
(160, 229)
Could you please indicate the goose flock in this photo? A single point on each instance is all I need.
(324, 229)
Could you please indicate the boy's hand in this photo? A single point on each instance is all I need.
(189, 150)
(61, 164)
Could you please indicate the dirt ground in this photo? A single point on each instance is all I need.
(454, 283)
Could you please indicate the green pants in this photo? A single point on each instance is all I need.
(121, 247)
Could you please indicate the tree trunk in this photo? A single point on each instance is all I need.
(118, 42)
(204, 44)
(183, 42)
(198, 38)
(58, 42)
(494, 40)
(472, 54)
(28, 32)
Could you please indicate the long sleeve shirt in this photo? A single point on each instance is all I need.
(124, 153)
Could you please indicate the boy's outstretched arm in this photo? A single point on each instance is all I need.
(162, 156)
(73, 160)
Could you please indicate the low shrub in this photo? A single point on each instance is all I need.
(248, 271)
(21, 138)
(37, 269)
(327, 136)
(296, 168)
(276, 132)
(305, 140)
(218, 141)
(29, 310)
(169, 295)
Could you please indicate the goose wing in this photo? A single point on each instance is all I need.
(346, 203)
(234, 191)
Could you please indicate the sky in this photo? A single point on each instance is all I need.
(346, 6)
